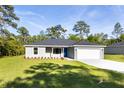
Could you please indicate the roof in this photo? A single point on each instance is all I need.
(85, 43)
(63, 42)
(117, 44)
(54, 42)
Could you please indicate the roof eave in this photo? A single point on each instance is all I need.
(90, 45)
(48, 45)
(64, 45)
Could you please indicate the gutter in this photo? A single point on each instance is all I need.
(64, 46)
(48, 45)
(89, 45)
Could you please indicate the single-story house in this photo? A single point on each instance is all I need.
(116, 48)
(63, 48)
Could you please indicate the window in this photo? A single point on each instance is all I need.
(48, 49)
(35, 50)
(57, 51)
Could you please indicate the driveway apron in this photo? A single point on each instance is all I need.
(105, 64)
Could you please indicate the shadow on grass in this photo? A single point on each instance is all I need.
(49, 75)
(1, 56)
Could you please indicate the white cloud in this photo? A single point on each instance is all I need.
(92, 14)
(33, 27)
(33, 21)
(30, 13)
(33, 24)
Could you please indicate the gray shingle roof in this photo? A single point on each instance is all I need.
(85, 43)
(55, 42)
(117, 44)
(62, 42)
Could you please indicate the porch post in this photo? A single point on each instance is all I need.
(61, 55)
(63, 52)
(52, 52)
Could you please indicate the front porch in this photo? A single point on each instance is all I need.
(57, 52)
(69, 52)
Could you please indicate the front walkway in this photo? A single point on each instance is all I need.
(105, 64)
(67, 58)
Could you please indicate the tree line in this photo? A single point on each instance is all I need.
(12, 44)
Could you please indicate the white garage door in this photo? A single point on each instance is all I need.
(90, 53)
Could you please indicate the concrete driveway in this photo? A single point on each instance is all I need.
(105, 64)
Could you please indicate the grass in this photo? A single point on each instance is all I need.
(118, 58)
(22, 73)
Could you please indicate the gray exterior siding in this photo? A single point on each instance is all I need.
(114, 50)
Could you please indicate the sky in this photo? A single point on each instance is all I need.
(100, 18)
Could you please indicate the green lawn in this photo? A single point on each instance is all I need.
(20, 72)
(119, 58)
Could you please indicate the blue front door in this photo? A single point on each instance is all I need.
(65, 52)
